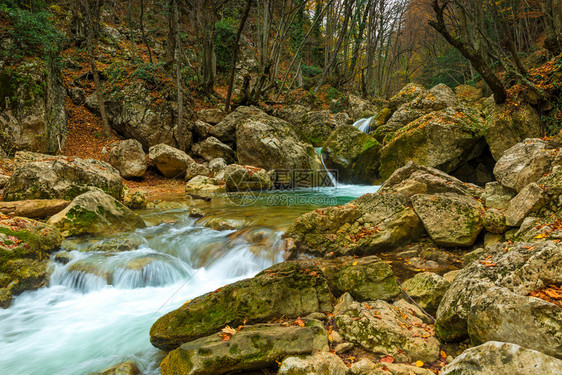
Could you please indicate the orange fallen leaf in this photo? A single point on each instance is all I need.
(387, 359)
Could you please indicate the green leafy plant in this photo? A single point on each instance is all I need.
(224, 43)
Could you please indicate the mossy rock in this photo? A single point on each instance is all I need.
(95, 213)
(427, 289)
(285, 290)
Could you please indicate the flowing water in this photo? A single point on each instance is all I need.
(100, 306)
(363, 124)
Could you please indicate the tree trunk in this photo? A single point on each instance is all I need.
(145, 41)
(131, 33)
(171, 39)
(235, 53)
(91, 53)
(180, 136)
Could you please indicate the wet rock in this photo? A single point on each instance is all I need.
(497, 196)
(95, 212)
(442, 140)
(196, 169)
(427, 289)
(389, 329)
(128, 158)
(524, 163)
(61, 177)
(488, 300)
(246, 178)
(211, 116)
(211, 148)
(321, 363)
(135, 200)
(502, 358)
(170, 161)
(63, 257)
(125, 368)
(353, 154)
(506, 127)
(204, 186)
(284, 290)
(218, 223)
(252, 348)
(449, 219)
(271, 143)
(6, 298)
(195, 212)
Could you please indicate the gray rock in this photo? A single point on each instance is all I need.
(427, 289)
(196, 169)
(252, 348)
(225, 130)
(529, 200)
(60, 177)
(211, 116)
(128, 158)
(497, 196)
(205, 186)
(524, 163)
(95, 212)
(320, 363)
(494, 221)
(170, 161)
(246, 178)
(201, 130)
(502, 358)
(211, 148)
(449, 219)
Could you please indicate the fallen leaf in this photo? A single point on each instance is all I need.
(387, 359)
(299, 322)
(419, 363)
(228, 330)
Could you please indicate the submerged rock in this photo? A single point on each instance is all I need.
(353, 154)
(95, 213)
(61, 177)
(125, 368)
(502, 358)
(251, 348)
(284, 290)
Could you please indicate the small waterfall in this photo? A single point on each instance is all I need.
(363, 124)
(332, 178)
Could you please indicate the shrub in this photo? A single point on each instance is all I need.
(225, 40)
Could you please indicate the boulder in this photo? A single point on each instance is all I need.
(353, 154)
(205, 186)
(3, 178)
(489, 299)
(443, 140)
(211, 148)
(528, 201)
(217, 165)
(494, 221)
(408, 93)
(225, 130)
(271, 143)
(367, 367)
(497, 196)
(284, 290)
(502, 358)
(294, 114)
(135, 114)
(25, 245)
(211, 116)
(506, 126)
(427, 289)
(128, 158)
(196, 169)
(61, 177)
(365, 278)
(170, 161)
(32, 106)
(201, 130)
(436, 99)
(135, 200)
(467, 94)
(360, 108)
(450, 219)
(125, 368)
(97, 213)
(321, 363)
(245, 178)
(34, 208)
(252, 348)
(367, 225)
(316, 127)
(416, 179)
(524, 163)
(399, 330)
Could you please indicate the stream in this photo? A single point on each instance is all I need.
(100, 306)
